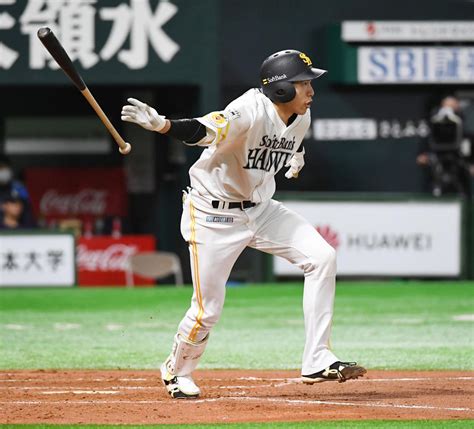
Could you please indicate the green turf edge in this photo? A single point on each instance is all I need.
(339, 424)
(375, 324)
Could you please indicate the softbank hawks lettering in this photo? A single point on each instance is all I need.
(275, 143)
(418, 242)
(264, 158)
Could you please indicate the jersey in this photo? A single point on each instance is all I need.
(247, 144)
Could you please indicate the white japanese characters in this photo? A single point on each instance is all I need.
(142, 25)
(7, 55)
(134, 24)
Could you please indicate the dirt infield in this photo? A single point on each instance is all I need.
(133, 397)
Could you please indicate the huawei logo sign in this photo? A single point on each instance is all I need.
(329, 235)
(371, 29)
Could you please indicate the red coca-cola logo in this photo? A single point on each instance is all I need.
(86, 202)
(112, 258)
(77, 192)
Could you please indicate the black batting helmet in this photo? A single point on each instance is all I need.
(280, 69)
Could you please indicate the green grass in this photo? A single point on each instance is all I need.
(393, 325)
(368, 424)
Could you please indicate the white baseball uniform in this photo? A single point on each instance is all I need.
(246, 145)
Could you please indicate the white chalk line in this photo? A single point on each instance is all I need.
(159, 387)
(235, 398)
(284, 381)
(116, 389)
(17, 380)
(91, 389)
(366, 404)
(378, 380)
(358, 380)
(81, 392)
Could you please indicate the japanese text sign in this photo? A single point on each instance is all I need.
(37, 260)
(113, 40)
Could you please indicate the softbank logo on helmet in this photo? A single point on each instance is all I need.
(305, 59)
(280, 70)
(276, 78)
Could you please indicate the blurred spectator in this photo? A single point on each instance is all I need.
(10, 186)
(12, 212)
(448, 152)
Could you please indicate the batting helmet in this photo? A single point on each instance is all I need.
(280, 69)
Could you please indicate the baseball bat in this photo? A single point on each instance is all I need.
(54, 47)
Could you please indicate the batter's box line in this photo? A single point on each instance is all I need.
(116, 389)
(68, 388)
(234, 398)
(372, 380)
(286, 382)
(245, 379)
(73, 379)
(368, 404)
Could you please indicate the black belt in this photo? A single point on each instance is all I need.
(242, 205)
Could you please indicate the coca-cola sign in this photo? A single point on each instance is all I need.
(85, 202)
(112, 258)
(77, 192)
(103, 260)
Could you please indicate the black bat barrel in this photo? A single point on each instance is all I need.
(51, 43)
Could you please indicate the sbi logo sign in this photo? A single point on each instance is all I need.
(415, 65)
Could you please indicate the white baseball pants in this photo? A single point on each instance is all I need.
(216, 238)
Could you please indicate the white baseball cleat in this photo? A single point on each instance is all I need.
(179, 387)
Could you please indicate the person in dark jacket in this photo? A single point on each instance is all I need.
(14, 197)
(12, 213)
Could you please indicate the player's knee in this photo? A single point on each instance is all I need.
(209, 320)
(322, 262)
(212, 313)
(329, 258)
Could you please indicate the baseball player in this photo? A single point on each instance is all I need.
(229, 206)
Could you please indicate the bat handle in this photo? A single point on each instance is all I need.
(124, 147)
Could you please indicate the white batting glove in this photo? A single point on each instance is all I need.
(296, 163)
(143, 115)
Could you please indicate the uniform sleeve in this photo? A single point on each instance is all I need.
(223, 126)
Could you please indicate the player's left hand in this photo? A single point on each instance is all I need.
(296, 163)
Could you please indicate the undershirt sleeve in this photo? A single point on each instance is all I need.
(187, 130)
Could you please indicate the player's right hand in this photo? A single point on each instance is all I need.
(296, 163)
(143, 115)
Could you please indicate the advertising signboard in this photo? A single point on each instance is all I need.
(386, 238)
(37, 259)
(102, 260)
